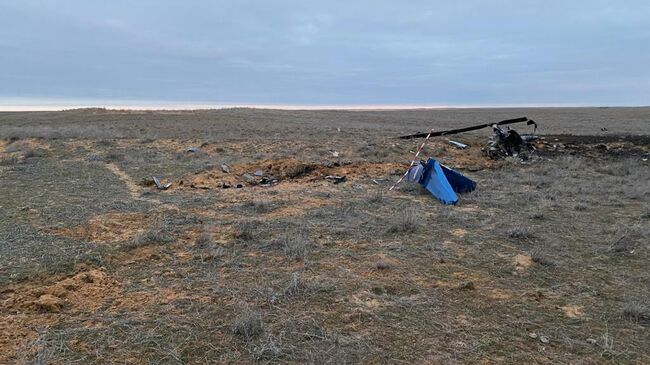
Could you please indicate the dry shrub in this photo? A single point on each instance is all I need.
(519, 232)
(405, 222)
(246, 231)
(296, 245)
(248, 323)
(154, 235)
(204, 240)
(636, 311)
(267, 350)
(296, 286)
(261, 206)
(540, 257)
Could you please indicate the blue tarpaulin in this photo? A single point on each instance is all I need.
(442, 181)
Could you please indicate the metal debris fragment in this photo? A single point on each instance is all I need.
(159, 185)
(336, 179)
(462, 146)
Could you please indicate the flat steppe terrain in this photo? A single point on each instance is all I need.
(546, 262)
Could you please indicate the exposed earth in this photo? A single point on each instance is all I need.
(254, 255)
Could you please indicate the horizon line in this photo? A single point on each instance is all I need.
(35, 105)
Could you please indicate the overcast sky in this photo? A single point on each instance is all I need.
(493, 52)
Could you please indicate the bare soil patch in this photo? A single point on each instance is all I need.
(543, 263)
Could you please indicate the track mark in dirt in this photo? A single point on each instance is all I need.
(131, 186)
(111, 227)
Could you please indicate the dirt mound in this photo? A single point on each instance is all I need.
(84, 291)
(111, 227)
(29, 306)
(278, 170)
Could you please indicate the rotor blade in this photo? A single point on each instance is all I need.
(465, 129)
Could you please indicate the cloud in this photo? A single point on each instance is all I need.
(474, 52)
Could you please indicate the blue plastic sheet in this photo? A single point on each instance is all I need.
(442, 182)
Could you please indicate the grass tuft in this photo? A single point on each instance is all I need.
(204, 240)
(296, 286)
(519, 232)
(296, 245)
(261, 206)
(540, 257)
(154, 235)
(405, 222)
(382, 265)
(636, 311)
(267, 350)
(248, 323)
(246, 231)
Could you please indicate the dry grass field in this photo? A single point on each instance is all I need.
(546, 262)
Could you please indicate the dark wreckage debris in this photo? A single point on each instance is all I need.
(443, 182)
(505, 142)
(508, 143)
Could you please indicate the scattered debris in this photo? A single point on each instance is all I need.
(334, 153)
(259, 173)
(193, 149)
(265, 181)
(506, 143)
(529, 137)
(441, 181)
(337, 179)
(462, 146)
(225, 168)
(159, 185)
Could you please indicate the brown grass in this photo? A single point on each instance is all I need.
(545, 262)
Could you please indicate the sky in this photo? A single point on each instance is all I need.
(363, 52)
